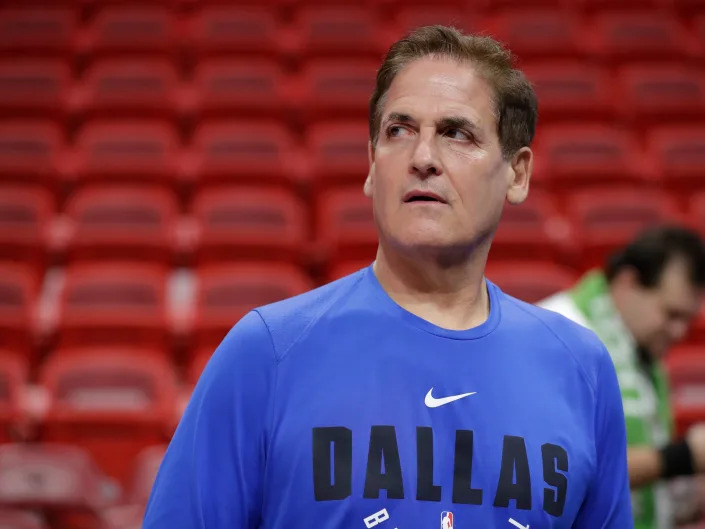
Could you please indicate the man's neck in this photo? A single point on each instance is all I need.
(451, 296)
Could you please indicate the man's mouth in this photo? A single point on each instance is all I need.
(423, 196)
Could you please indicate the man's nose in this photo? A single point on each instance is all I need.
(425, 160)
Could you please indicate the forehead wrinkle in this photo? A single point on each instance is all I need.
(466, 88)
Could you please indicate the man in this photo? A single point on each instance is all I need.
(413, 390)
(639, 306)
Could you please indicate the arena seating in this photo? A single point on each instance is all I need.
(166, 166)
(226, 87)
(249, 152)
(603, 220)
(226, 292)
(19, 292)
(134, 87)
(34, 87)
(126, 150)
(111, 404)
(531, 281)
(114, 221)
(236, 223)
(113, 302)
(25, 216)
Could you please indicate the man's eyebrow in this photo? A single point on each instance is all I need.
(456, 122)
(399, 117)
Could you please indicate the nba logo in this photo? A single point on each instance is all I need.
(447, 520)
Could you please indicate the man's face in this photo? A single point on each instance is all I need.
(659, 317)
(437, 176)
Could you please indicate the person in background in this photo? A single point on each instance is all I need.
(640, 305)
(413, 393)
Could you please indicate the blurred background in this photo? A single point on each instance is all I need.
(167, 166)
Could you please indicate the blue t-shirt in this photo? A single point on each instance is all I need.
(340, 409)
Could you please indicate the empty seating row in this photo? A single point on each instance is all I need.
(141, 222)
(111, 401)
(254, 223)
(333, 30)
(261, 151)
(322, 89)
(586, 6)
(129, 303)
(59, 485)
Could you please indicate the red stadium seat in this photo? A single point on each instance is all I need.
(699, 24)
(532, 230)
(127, 151)
(13, 374)
(697, 213)
(19, 519)
(227, 292)
(56, 478)
(530, 281)
(30, 150)
(33, 87)
(19, 289)
(110, 405)
(414, 16)
(335, 30)
(139, 87)
(235, 29)
(597, 5)
(398, 5)
(31, 30)
(640, 35)
(337, 88)
(138, 29)
(113, 304)
(345, 225)
(244, 223)
(609, 218)
(679, 153)
(571, 90)
(136, 351)
(240, 87)
(662, 93)
(686, 372)
(338, 152)
(112, 222)
(25, 217)
(244, 152)
(688, 7)
(514, 4)
(582, 155)
(532, 33)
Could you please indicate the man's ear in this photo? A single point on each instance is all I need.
(522, 164)
(370, 174)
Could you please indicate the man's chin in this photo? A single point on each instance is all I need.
(440, 250)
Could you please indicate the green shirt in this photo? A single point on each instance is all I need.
(644, 389)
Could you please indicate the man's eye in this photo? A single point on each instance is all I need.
(456, 134)
(395, 131)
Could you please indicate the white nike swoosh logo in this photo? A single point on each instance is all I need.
(434, 403)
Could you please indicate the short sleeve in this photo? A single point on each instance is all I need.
(607, 504)
(212, 474)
